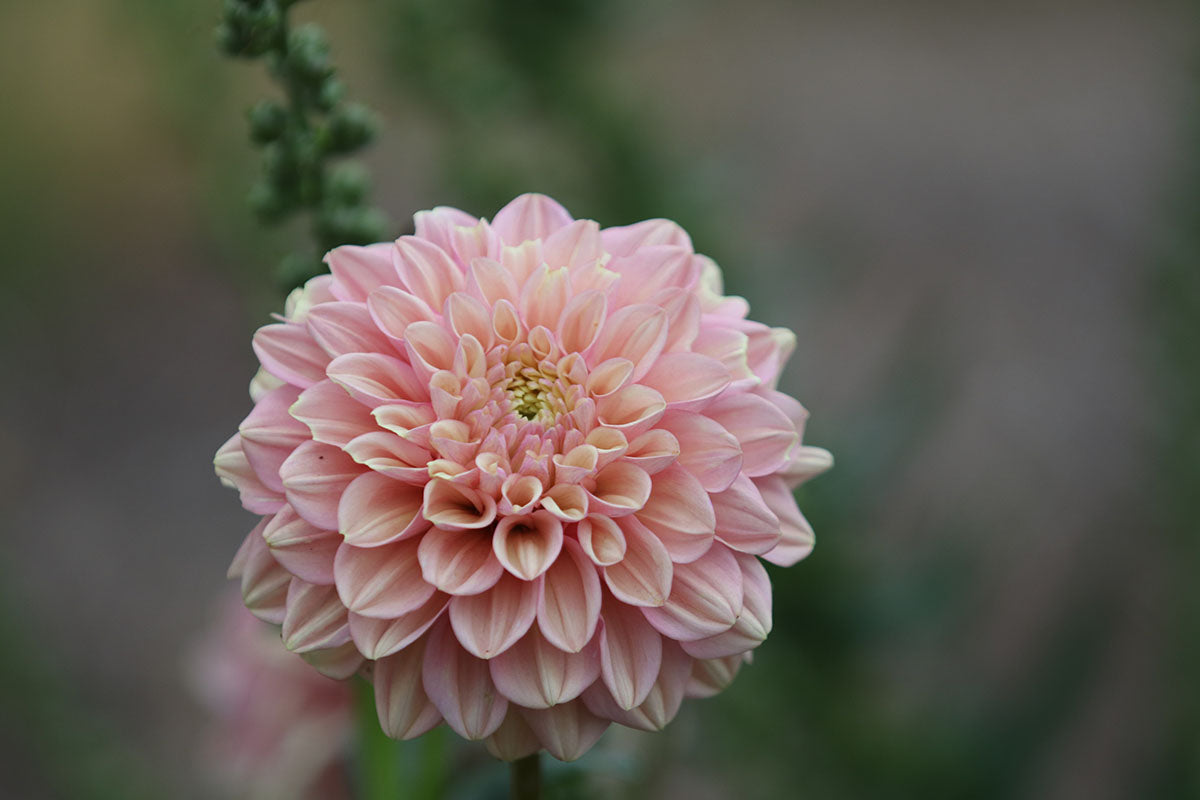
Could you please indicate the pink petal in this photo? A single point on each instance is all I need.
(430, 346)
(627, 239)
(315, 618)
(288, 351)
(530, 216)
(630, 655)
(796, 539)
(264, 582)
(544, 296)
(467, 315)
(678, 506)
(377, 638)
(490, 282)
(528, 544)
(341, 328)
(314, 477)
(302, 549)
(744, 520)
(451, 505)
(569, 600)
(270, 434)
(393, 310)
(643, 576)
(575, 245)
(514, 739)
(461, 687)
(608, 376)
(687, 381)
(620, 488)
(459, 562)
(631, 409)
(712, 676)
(706, 596)
(764, 432)
(438, 224)
(568, 502)
(535, 674)
(754, 620)
(651, 268)
(662, 701)
(683, 319)
(383, 582)
(233, 468)
(730, 347)
(376, 510)
(426, 270)
(394, 456)
(405, 712)
(653, 451)
(602, 540)
(580, 321)
(706, 449)
(636, 332)
(357, 271)
(489, 623)
(567, 731)
(331, 414)
(374, 379)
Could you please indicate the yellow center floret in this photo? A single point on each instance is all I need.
(535, 396)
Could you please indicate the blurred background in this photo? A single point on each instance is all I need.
(981, 219)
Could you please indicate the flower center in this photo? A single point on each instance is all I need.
(535, 396)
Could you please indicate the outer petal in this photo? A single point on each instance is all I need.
(706, 449)
(530, 216)
(514, 738)
(314, 477)
(341, 328)
(796, 540)
(706, 596)
(377, 638)
(234, 470)
(713, 675)
(630, 654)
(426, 270)
(745, 521)
(489, 623)
(374, 379)
(383, 582)
(357, 271)
(535, 674)
(270, 434)
(288, 351)
(754, 620)
(376, 510)
(622, 241)
(569, 600)
(338, 663)
(636, 332)
(461, 687)
(405, 711)
(331, 414)
(764, 432)
(315, 619)
(264, 582)
(301, 548)
(662, 701)
(567, 731)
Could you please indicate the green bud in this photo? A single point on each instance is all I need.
(268, 120)
(347, 184)
(350, 225)
(268, 203)
(308, 55)
(349, 128)
(294, 269)
(331, 93)
(249, 30)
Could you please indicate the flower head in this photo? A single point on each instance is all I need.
(523, 473)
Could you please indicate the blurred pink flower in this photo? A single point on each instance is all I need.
(280, 730)
(522, 472)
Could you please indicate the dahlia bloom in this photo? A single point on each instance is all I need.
(522, 473)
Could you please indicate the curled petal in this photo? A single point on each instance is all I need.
(459, 562)
(705, 599)
(438, 224)
(468, 316)
(643, 576)
(602, 540)
(687, 380)
(678, 502)
(489, 281)
(430, 345)
(527, 545)
(383, 582)
(567, 731)
(620, 488)
(608, 376)
(568, 502)
(489, 623)
(569, 600)
(376, 638)
(574, 245)
(460, 685)
(631, 409)
(314, 477)
(451, 505)
(535, 674)
(806, 462)
(405, 711)
(580, 321)
(315, 618)
(653, 451)
(544, 296)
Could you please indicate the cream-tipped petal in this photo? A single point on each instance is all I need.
(460, 685)
(264, 581)
(301, 548)
(315, 618)
(601, 539)
(620, 488)
(453, 506)
(631, 409)
(662, 701)
(405, 711)
(528, 544)
(569, 600)
(753, 622)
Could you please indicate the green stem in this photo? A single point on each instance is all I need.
(526, 778)
(378, 762)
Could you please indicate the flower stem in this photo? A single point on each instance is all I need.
(526, 778)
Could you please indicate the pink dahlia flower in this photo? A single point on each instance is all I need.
(523, 473)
